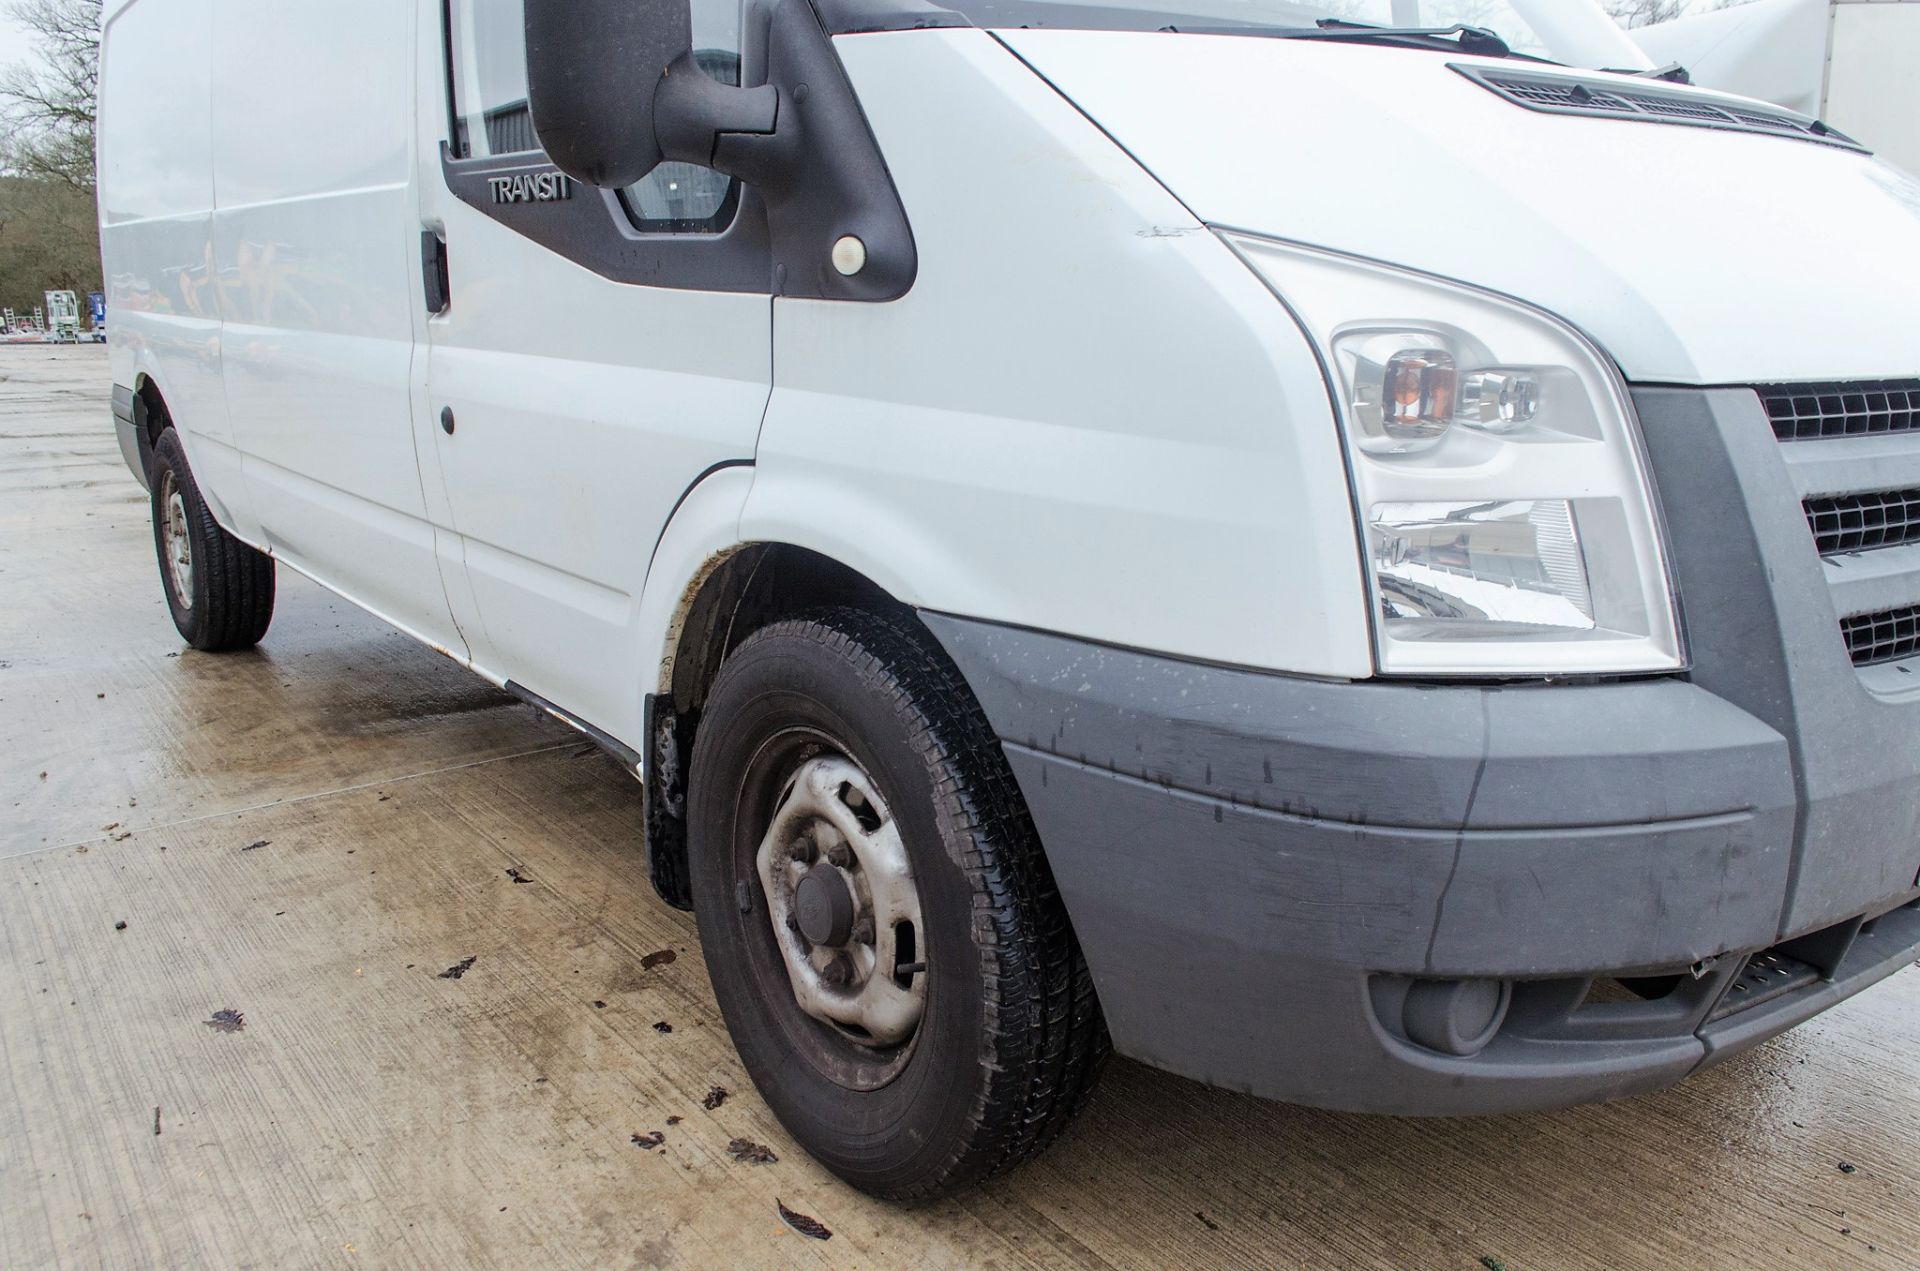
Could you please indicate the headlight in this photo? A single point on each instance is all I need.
(1509, 525)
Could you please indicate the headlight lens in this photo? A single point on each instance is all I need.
(1509, 525)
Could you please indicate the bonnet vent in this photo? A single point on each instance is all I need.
(1621, 97)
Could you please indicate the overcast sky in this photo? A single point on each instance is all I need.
(15, 42)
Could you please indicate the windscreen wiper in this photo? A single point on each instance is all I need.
(1472, 40)
(1672, 72)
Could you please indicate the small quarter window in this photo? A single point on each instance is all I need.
(487, 65)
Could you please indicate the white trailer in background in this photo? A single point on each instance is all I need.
(1853, 63)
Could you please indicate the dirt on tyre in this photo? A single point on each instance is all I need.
(219, 590)
(885, 940)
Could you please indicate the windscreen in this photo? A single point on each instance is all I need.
(1574, 32)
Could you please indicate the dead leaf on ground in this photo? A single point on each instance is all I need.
(751, 1153)
(811, 1228)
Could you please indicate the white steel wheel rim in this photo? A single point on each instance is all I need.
(832, 824)
(176, 543)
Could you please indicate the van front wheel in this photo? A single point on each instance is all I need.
(883, 934)
(219, 590)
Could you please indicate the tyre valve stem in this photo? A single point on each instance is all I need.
(909, 968)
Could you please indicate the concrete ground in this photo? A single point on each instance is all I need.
(311, 835)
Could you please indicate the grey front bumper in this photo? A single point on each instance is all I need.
(1252, 861)
(1258, 865)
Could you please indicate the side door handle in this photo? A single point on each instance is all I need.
(433, 270)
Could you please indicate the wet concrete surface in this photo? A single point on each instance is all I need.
(272, 1064)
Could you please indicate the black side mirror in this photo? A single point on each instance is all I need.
(593, 67)
(615, 91)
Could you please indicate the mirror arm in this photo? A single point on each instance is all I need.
(693, 114)
(835, 222)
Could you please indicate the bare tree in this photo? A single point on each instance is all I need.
(49, 106)
(1631, 13)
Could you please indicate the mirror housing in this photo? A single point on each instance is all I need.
(615, 90)
(593, 69)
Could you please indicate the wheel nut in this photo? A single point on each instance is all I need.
(803, 850)
(840, 854)
(835, 972)
(863, 931)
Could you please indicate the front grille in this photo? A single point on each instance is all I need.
(1807, 412)
(1852, 448)
(1862, 522)
(1887, 636)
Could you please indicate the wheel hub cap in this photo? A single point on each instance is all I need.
(176, 542)
(824, 907)
(843, 904)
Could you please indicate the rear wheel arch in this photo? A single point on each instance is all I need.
(151, 415)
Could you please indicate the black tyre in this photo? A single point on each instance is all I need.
(219, 590)
(883, 934)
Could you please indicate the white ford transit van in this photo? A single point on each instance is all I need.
(1365, 560)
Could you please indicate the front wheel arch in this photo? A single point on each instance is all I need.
(747, 588)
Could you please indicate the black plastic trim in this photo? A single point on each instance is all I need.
(593, 229)
(824, 178)
(626, 754)
(1639, 101)
(670, 743)
(436, 281)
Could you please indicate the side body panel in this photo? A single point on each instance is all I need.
(1086, 416)
(156, 202)
(316, 243)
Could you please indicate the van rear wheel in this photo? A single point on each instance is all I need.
(883, 934)
(219, 590)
